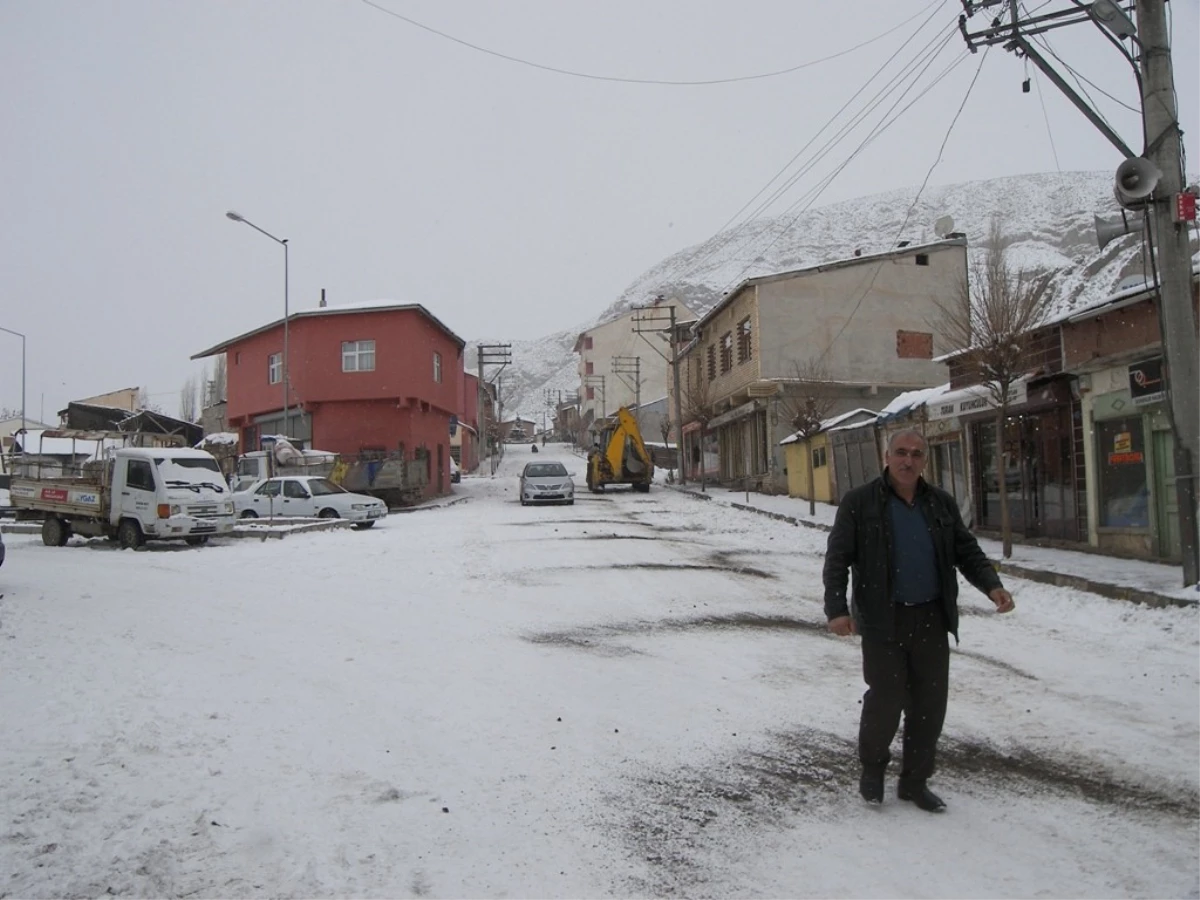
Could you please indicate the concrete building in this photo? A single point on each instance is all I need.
(364, 380)
(609, 377)
(856, 332)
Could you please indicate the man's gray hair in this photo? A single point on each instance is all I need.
(907, 432)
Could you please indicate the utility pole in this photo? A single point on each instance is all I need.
(1174, 268)
(592, 381)
(654, 316)
(1150, 56)
(490, 354)
(631, 365)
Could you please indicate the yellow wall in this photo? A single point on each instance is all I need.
(797, 469)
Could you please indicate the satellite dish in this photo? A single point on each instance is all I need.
(943, 226)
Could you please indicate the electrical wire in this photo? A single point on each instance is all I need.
(912, 207)
(656, 81)
(926, 55)
(1079, 77)
(805, 201)
(1045, 115)
(852, 98)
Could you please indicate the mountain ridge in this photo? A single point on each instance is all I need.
(1047, 219)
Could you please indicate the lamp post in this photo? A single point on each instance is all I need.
(22, 337)
(238, 217)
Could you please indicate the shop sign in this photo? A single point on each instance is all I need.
(976, 398)
(1122, 453)
(1146, 384)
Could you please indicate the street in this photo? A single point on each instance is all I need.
(634, 695)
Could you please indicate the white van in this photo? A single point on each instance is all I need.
(135, 494)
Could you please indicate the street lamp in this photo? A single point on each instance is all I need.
(22, 337)
(238, 217)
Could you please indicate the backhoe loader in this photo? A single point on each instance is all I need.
(620, 456)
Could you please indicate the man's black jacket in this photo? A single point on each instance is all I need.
(861, 541)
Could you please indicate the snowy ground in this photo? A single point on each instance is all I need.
(631, 696)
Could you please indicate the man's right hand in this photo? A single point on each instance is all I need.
(843, 626)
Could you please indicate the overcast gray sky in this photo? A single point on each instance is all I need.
(512, 201)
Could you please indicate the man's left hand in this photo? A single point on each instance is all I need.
(1003, 600)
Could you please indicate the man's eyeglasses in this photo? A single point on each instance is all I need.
(905, 453)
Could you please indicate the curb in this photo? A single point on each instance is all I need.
(1041, 576)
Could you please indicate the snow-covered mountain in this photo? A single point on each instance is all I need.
(1048, 217)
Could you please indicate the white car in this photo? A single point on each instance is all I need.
(307, 496)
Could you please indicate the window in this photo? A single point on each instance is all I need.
(139, 475)
(237, 357)
(726, 351)
(587, 343)
(437, 366)
(818, 457)
(922, 259)
(275, 368)
(745, 347)
(269, 489)
(712, 362)
(914, 344)
(295, 490)
(1124, 492)
(358, 356)
(591, 393)
(589, 368)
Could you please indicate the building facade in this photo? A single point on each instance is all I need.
(363, 380)
(854, 332)
(623, 362)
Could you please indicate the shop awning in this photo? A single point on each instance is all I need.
(973, 399)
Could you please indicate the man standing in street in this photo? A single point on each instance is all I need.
(902, 540)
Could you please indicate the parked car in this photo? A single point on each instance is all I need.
(546, 482)
(455, 472)
(307, 496)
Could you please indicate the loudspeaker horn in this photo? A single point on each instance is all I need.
(1136, 180)
(1107, 232)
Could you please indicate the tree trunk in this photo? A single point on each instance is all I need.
(1002, 476)
(703, 474)
(812, 488)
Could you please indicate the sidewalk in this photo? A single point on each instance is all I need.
(1153, 584)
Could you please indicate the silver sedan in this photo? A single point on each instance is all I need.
(546, 482)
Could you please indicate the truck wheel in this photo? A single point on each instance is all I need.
(129, 533)
(55, 532)
(249, 514)
(643, 488)
(198, 540)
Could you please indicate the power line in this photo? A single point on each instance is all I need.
(1045, 115)
(814, 193)
(658, 81)
(1079, 77)
(913, 65)
(912, 207)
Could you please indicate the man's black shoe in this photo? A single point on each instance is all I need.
(870, 785)
(918, 793)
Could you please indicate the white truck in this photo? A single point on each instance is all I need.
(281, 458)
(131, 494)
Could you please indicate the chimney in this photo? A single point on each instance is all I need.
(322, 303)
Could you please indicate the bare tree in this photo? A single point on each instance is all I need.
(189, 401)
(698, 406)
(217, 385)
(143, 402)
(807, 402)
(989, 318)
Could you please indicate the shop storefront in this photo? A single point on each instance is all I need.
(1043, 477)
(1132, 463)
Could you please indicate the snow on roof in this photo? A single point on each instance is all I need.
(912, 399)
(832, 423)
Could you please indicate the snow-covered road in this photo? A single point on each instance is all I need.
(631, 696)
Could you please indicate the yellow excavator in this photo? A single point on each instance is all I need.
(619, 456)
